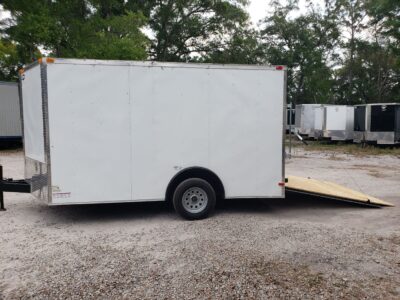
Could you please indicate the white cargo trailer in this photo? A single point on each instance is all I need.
(305, 114)
(338, 122)
(10, 120)
(118, 131)
(317, 130)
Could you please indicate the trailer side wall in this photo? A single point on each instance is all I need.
(120, 132)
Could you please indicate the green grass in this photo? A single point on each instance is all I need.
(345, 148)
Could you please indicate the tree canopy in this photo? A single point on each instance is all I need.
(341, 51)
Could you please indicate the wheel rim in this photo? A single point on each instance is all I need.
(194, 200)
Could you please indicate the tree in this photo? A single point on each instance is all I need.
(117, 37)
(75, 28)
(375, 75)
(370, 69)
(305, 44)
(386, 14)
(243, 47)
(186, 29)
(345, 51)
(182, 30)
(8, 60)
(351, 16)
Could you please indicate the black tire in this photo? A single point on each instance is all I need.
(194, 199)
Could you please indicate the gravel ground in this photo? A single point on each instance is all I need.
(293, 248)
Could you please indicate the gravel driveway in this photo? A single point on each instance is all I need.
(293, 248)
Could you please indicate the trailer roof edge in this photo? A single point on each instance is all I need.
(158, 64)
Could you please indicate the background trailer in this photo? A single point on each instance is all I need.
(290, 119)
(361, 122)
(113, 131)
(317, 130)
(10, 120)
(305, 114)
(338, 122)
(378, 123)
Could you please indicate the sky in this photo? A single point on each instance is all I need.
(258, 9)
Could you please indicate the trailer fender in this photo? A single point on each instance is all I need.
(196, 172)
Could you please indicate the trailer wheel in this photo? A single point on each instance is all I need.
(194, 199)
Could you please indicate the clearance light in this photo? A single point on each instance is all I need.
(281, 183)
(279, 68)
(50, 60)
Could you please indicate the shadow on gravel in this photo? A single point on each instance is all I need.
(303, 204)
(292, 202)
(113, 212)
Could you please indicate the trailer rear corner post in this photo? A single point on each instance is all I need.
(10, 185)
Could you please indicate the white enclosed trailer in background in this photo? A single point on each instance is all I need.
(305, 114)
(117, 131)
(338, 122)
(317, 131)
(10, 114)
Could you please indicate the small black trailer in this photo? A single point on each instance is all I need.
(378, 122)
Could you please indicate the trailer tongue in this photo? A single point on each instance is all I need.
(11, 185)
